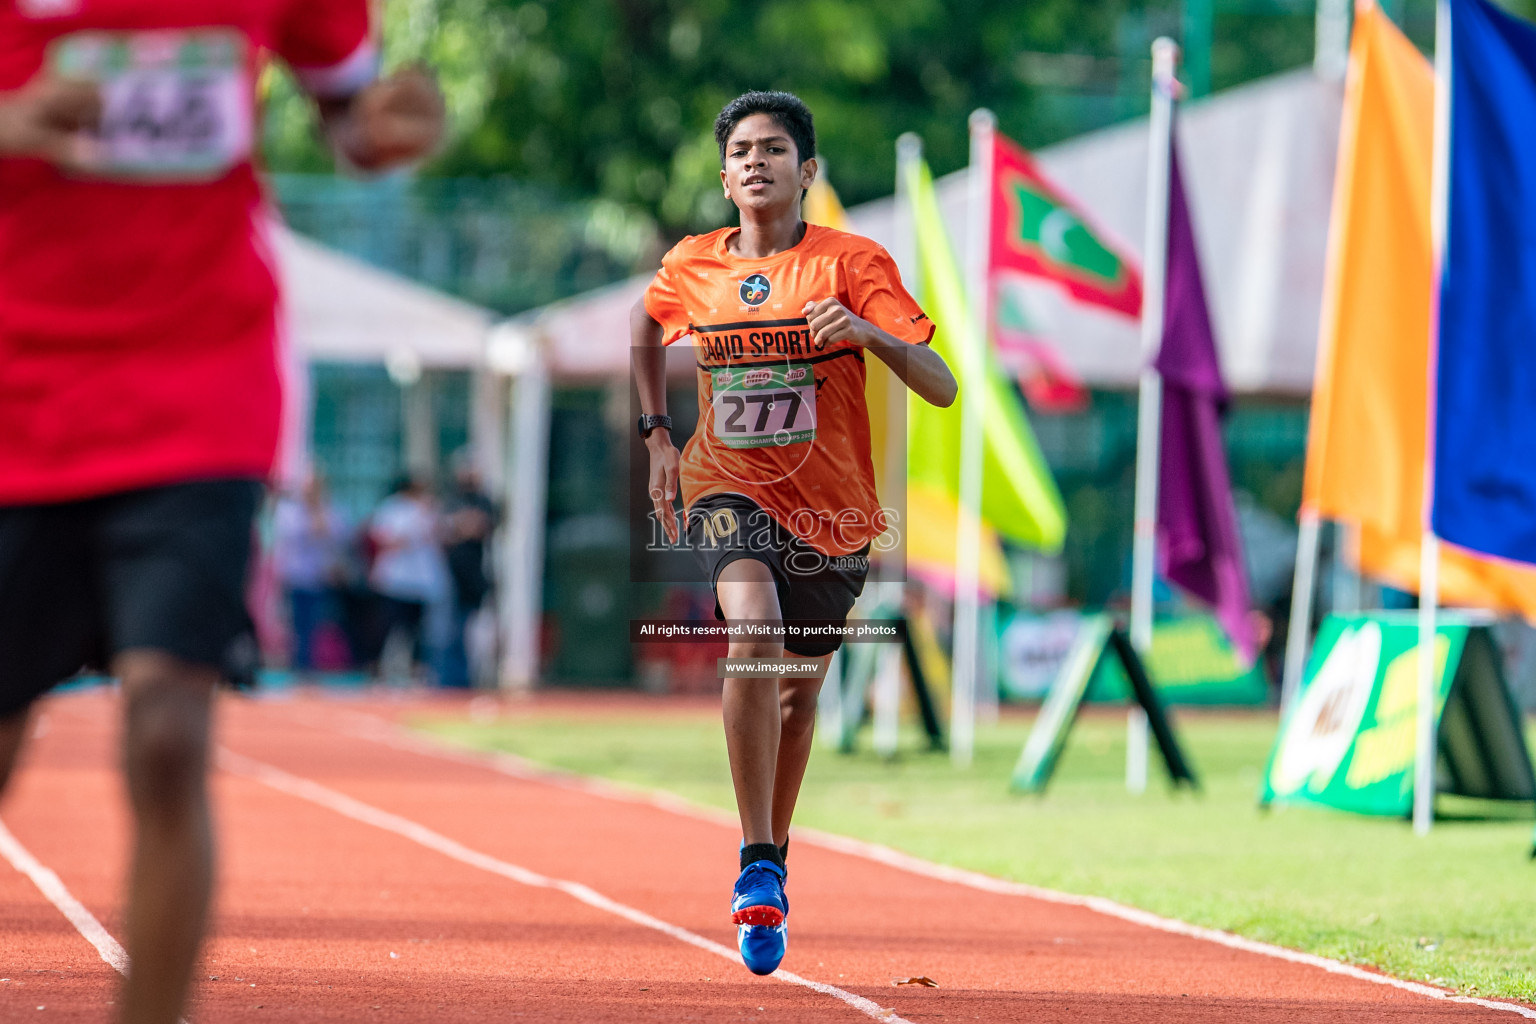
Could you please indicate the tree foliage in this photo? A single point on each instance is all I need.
(614, 99)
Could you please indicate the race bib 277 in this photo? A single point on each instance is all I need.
(764, 406)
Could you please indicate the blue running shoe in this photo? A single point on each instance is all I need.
(761, 909)
(762, 946)
(759, 895)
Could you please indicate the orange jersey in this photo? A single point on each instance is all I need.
(782, 419)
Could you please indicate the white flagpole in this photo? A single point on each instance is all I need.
(909, 152)
(523, 539)
(973, 394)
(887, 590)
(1348, 586)
(885, 696)
(1330, 53)
(1298, 636)
(1424, 745)
(1165, 56)
(1426, 749)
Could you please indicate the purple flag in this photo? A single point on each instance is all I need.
(1198, 544)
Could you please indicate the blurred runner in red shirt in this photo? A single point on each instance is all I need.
(139, 384)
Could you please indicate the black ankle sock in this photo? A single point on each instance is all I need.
(753, 852)
(784, 853)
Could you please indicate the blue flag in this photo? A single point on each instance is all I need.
(1485, 407)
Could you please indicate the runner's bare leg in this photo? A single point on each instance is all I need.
(168, 705)
(797, 723)
(745, 590)
(13, 732)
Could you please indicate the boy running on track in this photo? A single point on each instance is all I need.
(778, 480)
(139, 383)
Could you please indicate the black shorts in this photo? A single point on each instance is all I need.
(812, 587)
(161, 568)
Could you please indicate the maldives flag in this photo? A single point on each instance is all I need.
(1038, 231)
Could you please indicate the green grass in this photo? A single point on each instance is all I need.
(1453, 908)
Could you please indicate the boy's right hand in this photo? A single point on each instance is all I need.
(663, 481)
(47, 119)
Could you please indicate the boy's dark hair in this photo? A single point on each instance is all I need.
(785, 108)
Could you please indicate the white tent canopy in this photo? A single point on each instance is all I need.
(1258, 163)
(587, 335)
(340, 309)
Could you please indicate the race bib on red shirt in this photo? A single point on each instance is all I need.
(176, 104)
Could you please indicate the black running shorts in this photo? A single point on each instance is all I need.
(813, 587)
(162, 568)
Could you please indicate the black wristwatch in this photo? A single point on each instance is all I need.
(650, 423)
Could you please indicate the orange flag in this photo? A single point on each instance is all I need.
(1366, 444)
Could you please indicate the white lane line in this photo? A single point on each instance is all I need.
(323, 796)
(54, 889)
(50, 885)
(364, 725)
(381, 730)
(986, 883)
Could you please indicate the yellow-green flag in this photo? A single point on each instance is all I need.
(928, 541)
(882, 391)
(1019, 498)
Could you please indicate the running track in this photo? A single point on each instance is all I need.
(367, 876)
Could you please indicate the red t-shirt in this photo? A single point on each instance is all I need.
(138, 301)
(782, 419)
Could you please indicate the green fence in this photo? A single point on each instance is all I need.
(358, 422)
(502, 244)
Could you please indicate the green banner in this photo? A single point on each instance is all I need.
(1097, 642)
(1350, 741)
(1043, 746)
(1191, 662)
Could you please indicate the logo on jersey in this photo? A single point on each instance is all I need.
(718, 525)
(755, 290)
(47, 8)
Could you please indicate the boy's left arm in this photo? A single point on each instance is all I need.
(919, 367)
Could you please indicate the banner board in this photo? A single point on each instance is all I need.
(1349, 741)
(1191, 661)
(849, 685)
(1097, 642)
(1032, 648)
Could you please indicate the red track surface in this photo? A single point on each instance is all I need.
(322, 917)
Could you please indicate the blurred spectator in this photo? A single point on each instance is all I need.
(309, 540)
(409, 571)
(469, 519)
